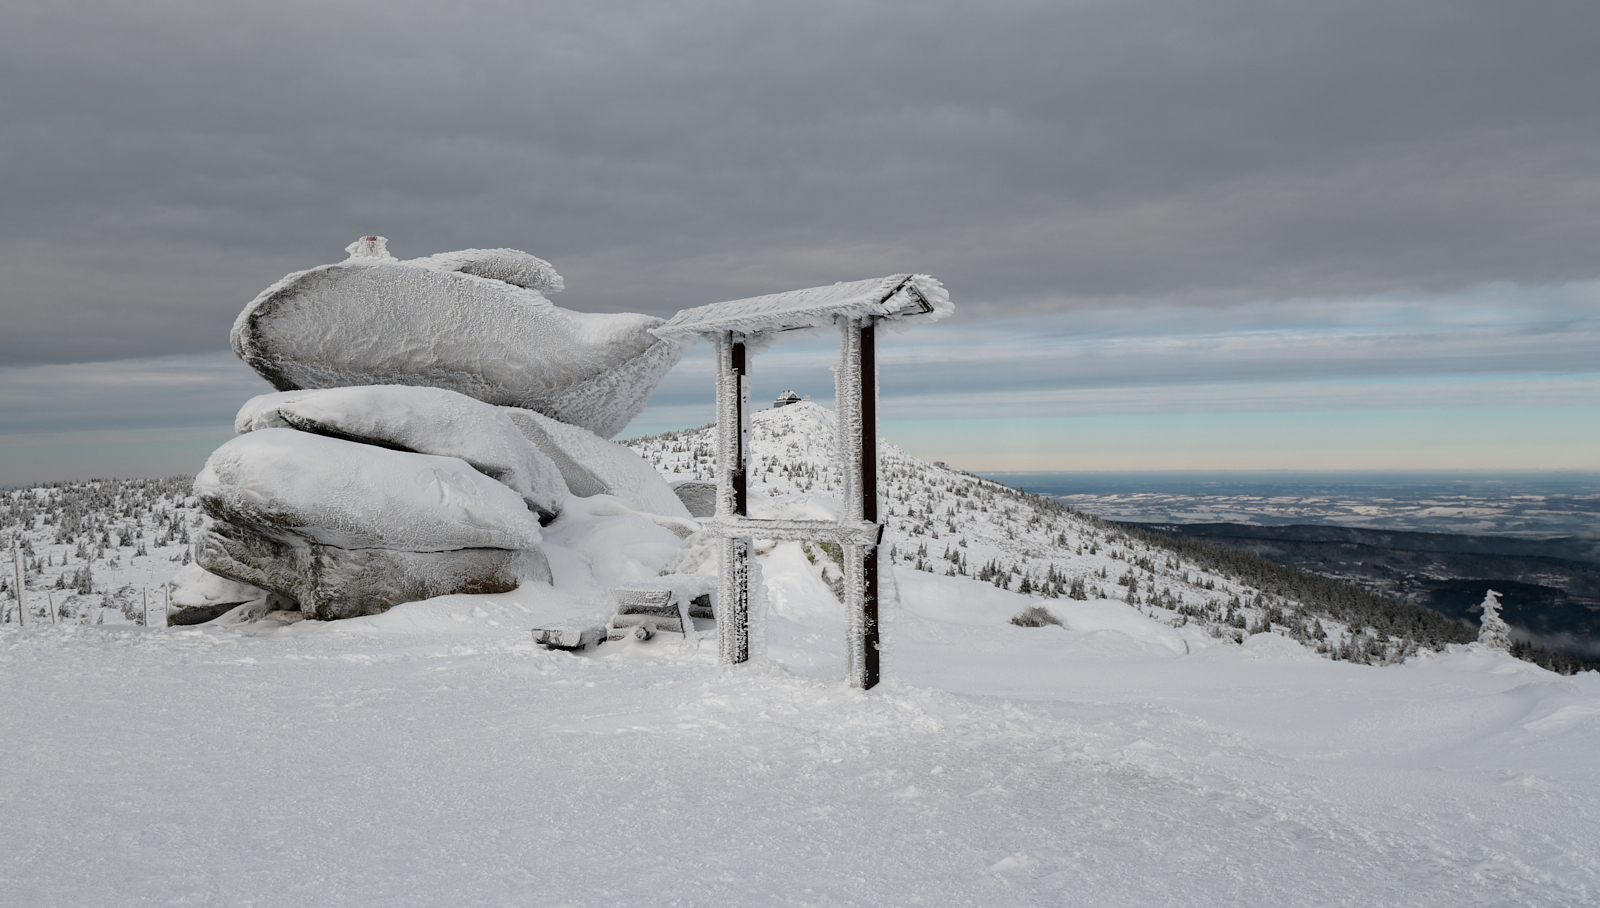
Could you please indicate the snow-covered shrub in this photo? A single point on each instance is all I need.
(1035, 616)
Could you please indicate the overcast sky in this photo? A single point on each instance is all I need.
(1200, 234)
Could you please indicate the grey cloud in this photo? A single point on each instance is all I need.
(1491, 346)
(155, 394)
(166, 162)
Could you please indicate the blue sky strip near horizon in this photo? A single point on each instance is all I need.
(1180, 234)
(1500, 379)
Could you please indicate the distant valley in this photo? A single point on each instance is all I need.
(1551, 588)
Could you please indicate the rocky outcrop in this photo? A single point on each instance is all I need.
(475, 322)
(420, 421)
(698, 496)
(329, 582)
(431, 416)
(344, 528)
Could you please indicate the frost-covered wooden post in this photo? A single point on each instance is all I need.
(16, 560)
(856, 393)
(733, 496)
(737, 328)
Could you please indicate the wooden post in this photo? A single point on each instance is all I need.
(733, 498)
(50, 598)
(857, 396)
(870, 664)
(16, 561)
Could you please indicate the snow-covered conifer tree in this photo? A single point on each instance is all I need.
(1494, 630)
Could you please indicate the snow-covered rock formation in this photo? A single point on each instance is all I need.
(476, 321)
(349, 529)
(422, 420)
(432, 414)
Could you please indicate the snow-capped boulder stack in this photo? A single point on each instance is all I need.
(432, 415)
(475, 321)
(346, 529)
(424, 421)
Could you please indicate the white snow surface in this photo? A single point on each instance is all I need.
(356, 496)
(194, 586)
(434, 755)
(424, 420)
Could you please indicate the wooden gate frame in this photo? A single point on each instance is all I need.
(739, 328)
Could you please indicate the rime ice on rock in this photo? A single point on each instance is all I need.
(741, 327)
(297, 486)
(421, 420)
(346, 529)
(476, 322)
(329, 582)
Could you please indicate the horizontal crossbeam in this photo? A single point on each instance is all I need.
(863, 533)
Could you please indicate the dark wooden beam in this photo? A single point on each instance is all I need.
(870, 671)
(741, 479)
(733, 612)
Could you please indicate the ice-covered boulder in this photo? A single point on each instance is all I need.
(423, 421)
(476, 322)
(296, 486)
(591, 465)
(345, 528)
(330, 582)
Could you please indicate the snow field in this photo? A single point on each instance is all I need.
(433, 755)
(101, 548)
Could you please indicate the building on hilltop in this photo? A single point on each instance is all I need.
(785, 399)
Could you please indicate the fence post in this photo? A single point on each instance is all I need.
(16, 561)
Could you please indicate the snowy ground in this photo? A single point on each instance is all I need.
(434, 756)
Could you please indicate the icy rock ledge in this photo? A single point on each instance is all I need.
(476, 322)
(348, 529)
(422, 421)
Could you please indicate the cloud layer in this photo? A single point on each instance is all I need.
(166, 161)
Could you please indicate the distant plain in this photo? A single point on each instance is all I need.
(1532, 504)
